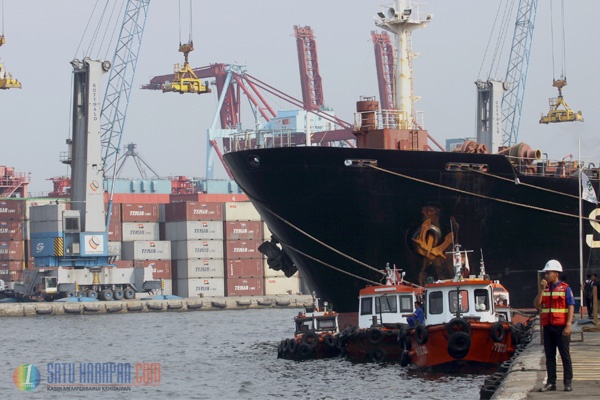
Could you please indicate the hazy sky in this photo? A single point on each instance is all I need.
(169, 129)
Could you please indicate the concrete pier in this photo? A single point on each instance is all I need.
(528, 373)
(170, 305)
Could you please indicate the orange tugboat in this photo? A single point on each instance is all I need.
(316, 334)
(467, 320)
(382, 324)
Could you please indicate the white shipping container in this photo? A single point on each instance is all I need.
(240, 211)
(114, 250)
(207, 287)
(271, 273)
(266, 232)
(194, 230)
(194, 268)
(282, 285)
(132, 231)
(184, 249)
(146, 250)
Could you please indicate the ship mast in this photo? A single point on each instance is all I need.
(401, 19)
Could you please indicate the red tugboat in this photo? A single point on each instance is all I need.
(467, 320)
(316, 334)
(382, 325)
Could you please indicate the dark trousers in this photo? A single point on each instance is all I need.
(553, 338)
(589, 303)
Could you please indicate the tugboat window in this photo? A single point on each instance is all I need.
(436, 303)
(366, 306)
(386, 304)
(482, 300)
(326, 324)
(463, 300)
(406, 304)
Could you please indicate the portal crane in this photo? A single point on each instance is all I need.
(6, 79)
(516, 73)
(308, 61)
(384, 63)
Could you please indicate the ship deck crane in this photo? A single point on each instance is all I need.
(185, 79)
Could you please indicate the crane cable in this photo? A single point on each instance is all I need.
(564, 41)
(190, 36)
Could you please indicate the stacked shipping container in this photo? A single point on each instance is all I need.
(243, 234)
(13, 253)
(197, 248)
(196, 232)
(140, 244)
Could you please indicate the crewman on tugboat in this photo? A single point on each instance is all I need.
(555, 298)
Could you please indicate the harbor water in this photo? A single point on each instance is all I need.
(228, 354)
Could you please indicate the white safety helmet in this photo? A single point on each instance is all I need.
(552, 265)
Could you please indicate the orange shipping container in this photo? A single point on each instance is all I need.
(139, 212)
(245, 287)
(12, 210)
(241, 268)
(115, 233)
(11, 230)
(161, 268)
(12, 250)
(235, 249)
(193, 211)
(243, 230)
(12, 265)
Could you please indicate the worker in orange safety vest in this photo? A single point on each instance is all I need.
(557, 305)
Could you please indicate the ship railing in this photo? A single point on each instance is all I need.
(261, 139)
(387, 119)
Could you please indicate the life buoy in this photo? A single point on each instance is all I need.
(497, 332)
(304, 350)
(292, 346)
(458, 325)
(330, 340)
(376, 355)
(421, 334)
(311, 339)
(459, 344)
(375, 335)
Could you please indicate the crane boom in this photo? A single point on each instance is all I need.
(516, 74)
(120, 81)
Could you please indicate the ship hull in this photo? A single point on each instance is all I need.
(342, 214)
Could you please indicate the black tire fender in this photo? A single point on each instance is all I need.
(311, 339)
(421, 334)
(404, 359)
(292, 346)
(375, 335)
(304, 350)
(459, 344)
(330, 340)
(497, 332)
(458, 325)
(377, 355)
(403, 332)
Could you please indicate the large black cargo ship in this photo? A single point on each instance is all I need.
(342, 214)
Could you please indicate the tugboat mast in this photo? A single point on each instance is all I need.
(401, 19)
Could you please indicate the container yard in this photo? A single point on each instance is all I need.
(196, 248)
